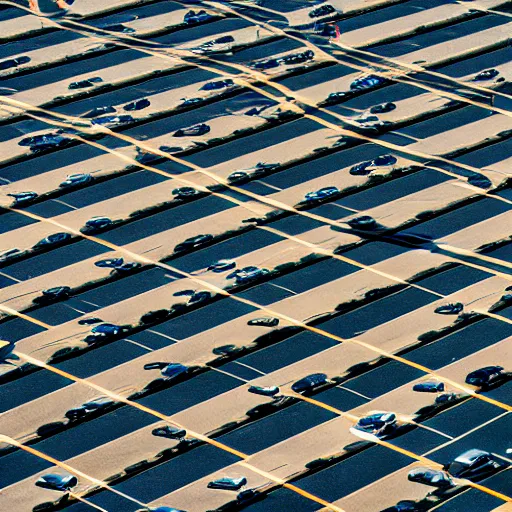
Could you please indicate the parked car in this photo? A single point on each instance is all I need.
(475, 465)
(446, 398)
(98, 111)
(113, 120)
(106, 330)
(90, 321)
(364, 222)
(367, 82)
(429, 387)
(194, 17)
(247, 496)
(47, 141)
(22, 197)
(238, 177)
(97, 223)
(309, 383)
(297, 58)
(432, 477)
(222, 266)
(198, 297)
(14, 63)
(58, 292)
(170, 432)
(247, 274)
(264, 322)
(323, 10)
(88, 407)
(323, 193)
(84, 84)
(453, 308)
(487, 74)
(137, 105)
(485, 377)
(228, 484)
(191, 101)
(215, 45)
(264, 390)
(184, 192)
(383, 108)
(75, 180)
(192, 131)
(119, 27)
(109, 263)
(168, 370)
(53, 240)
(380, 425)
(217, 85)
(193, 242)
(57, 482)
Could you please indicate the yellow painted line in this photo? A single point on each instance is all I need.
(11, 311)
(221, 291)
(258, 76)
(306, 494)
(120, 398)
(271, 312)
(93, 505)
(482, 488)
(263, 199)
(67, 467)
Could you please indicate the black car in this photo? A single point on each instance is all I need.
(450, 309)
(57, 292)
(264, 322)
(264, 390)
(380, 425)
(23, 197)
(43, 142)
(192, 131)
(323, 10)
(446, 398)
(475, 465)
(297, 58)
(14, 63)
(106, 330)
(97, 223)
(364, 222)
(193, 17)
(91, 406)
(484, 377)
(429, 387)
(222, 266)
(98, 111)
(382, 108)
(431, 477)
(74, 180)
(168, 370)
(228, 484)
(184, 192)
(137, 105)
(218, 84)
(109, 263)
(193, 242)
(57, 482)
(309, 383)
(170, 432)
(487, 74)
(52, 240)
(113, 120)
(83, 84)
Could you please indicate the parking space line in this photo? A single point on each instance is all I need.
(291, 320)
